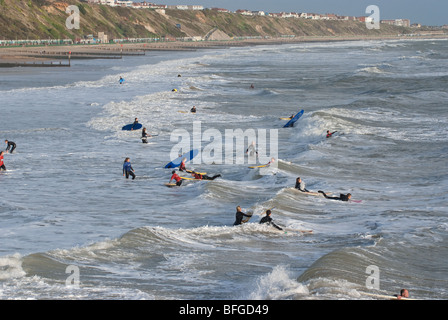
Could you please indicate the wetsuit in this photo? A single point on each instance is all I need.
(342, 197)
(239, 217)
(11, 145)
(267, 219)
(182, 166)
(177, 178)
(133, 125)
(144, 136)
(2, 165)
(128, 170)
(205, 177)
(301, 186)
(330, 134)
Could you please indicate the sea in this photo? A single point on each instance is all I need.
(72, 227)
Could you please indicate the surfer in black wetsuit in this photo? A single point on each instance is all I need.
(145, 136)
(193, 110)
(135, 122)
(239, 216)
(300, 185)
(10, 145)
(342, 197)
(267, 219)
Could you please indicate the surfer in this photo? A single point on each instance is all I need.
(135, 122)
(121, 80)
(252, 86)
(300, 185)
(2, 164)
(342, 197)
(127, 169)
(251, 149)
(176, 177)
(182, 165)
(145, 136)
(267, 219)
(329, 134)
(239, 216)
(404, 293)
(10, 145)
(193, 110)
(199, 176)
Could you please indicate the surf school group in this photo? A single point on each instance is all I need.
(176, 180)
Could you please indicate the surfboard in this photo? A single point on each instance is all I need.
(356, 201)
(191, 171)
(261, 166)
(189, 155)
(383, 296)
(170, 185)
(311, 193)
(187, 178)
(291, 122)
(132, 126)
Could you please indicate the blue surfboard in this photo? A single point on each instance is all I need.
(189, 155)
(293, 120)
(132, 126)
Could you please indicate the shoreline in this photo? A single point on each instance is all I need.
(60, 55)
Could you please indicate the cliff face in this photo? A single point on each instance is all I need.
(46, 19)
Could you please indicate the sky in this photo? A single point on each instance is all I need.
(426, 12)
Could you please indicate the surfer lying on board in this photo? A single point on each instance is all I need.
(176, 177)
(239, 216)
(329, 134)
(199, 176)
(300, 185)
(127, 169)
(342, 197)
(267, 219)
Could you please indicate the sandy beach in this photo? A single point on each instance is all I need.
(59, 55)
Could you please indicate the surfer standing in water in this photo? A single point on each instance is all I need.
(145, 136)
(2, 165)
(300, 185)
(127, 169)
(10, 145)
(176, 177)
(267, 219)
(239, 216)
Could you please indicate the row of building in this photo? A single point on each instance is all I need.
(303, 15)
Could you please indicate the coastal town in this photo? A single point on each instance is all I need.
(285, 15)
